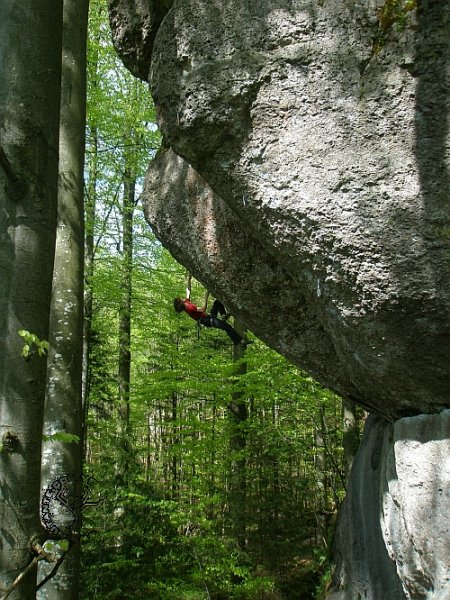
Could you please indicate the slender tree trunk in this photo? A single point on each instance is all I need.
(90, 206)
(30, 72)
(148, 458)
(90, 218)
(63, 411)
(174, 444)
(212, 457)
(125, 326)
(321, 477)
(238, 413)
(351, 434)
(275, 474)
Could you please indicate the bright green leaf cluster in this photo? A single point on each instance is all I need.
(56, 546)
(61, 436)
(32, 343)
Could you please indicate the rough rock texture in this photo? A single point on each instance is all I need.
(393, 535)
(331, 159)
(305, 181)
(134, 24)
(201, 232)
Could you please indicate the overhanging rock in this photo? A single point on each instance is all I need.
(328, 155)
(305, 181)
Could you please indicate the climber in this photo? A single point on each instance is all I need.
(210, 320)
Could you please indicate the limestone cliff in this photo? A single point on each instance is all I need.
(305, 181)
(392, 539)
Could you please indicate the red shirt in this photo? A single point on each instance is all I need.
(193, 311)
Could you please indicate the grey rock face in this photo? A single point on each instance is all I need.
(334, 160)
(134, 24)
(200, 231)
(393, 535)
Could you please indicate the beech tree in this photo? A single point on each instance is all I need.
(30, 73)
(63, 412)
(124, 366)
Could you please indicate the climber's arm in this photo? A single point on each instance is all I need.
(205, 304)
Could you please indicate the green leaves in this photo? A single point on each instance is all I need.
(52, 546)
(32, 344)
(61, 436)
(168, 532)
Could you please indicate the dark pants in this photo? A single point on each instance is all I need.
(212, 321)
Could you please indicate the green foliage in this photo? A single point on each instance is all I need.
(32, 345)
(322, 587)
(135, 531)
(61, 436)
(58, 546)
(169, 531)
(393, 13)
(173, 526)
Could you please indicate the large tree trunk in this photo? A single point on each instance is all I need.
(30, 71)
(63, 398)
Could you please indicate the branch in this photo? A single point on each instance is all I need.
(41, 554)
(56, 567)
(20, 577)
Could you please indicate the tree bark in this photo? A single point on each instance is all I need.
(90, 214)
(238, 412)
(63, 410)
(351, 434)
(174, 442)
(90, 204)
(125, 326)
(30, 72)
(321, 478)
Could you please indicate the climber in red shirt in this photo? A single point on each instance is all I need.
(192, 310)
(210, 320)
